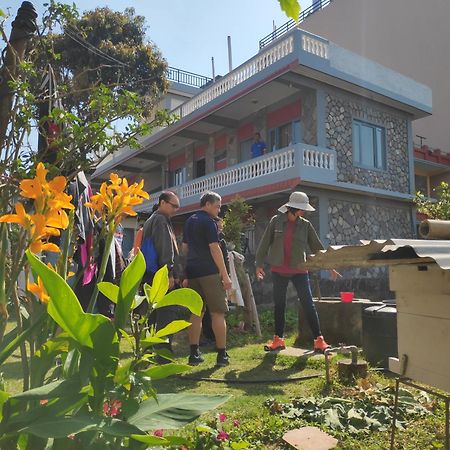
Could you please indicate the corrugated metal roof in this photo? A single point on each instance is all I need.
(383, 252)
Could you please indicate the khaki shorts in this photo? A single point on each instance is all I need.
(210, 288)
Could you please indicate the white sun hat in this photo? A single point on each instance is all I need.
(297, 200)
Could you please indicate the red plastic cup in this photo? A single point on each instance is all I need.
(347, 297)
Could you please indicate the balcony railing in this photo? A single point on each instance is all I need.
(317, 5)
(307, 162)
(255, 65)
(188, 78)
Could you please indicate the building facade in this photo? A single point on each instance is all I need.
(336, 125)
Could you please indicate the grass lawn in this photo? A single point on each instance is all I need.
(249, 363)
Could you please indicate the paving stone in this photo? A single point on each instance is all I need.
(310, 438)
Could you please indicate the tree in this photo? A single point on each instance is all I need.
(106, 74)
(435, 209)
(237, 216)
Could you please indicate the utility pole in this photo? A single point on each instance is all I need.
(23, 29)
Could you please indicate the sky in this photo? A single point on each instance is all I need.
(190, 32)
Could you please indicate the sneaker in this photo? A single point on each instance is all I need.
(276, 344)
(195, 360)
(320, 344)
(222, 360)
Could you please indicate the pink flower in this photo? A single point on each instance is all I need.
(111, 409)
(159, 433)
(222, 436)
(71, 436)
(43, 401)
(222, 417)
(236, 422)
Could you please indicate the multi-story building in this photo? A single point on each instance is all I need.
(337, 126)
(409, 36)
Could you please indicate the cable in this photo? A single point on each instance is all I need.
(261, 381)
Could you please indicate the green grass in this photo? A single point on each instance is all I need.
(250, 363)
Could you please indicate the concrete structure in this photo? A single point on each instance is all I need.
(336, 124)
(410, 37)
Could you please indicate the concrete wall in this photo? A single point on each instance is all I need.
(409, 36)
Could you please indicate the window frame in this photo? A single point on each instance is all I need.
(296, 134)
(356, 150)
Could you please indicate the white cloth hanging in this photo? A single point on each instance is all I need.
(236, 293)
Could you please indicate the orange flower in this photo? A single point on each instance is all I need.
(38, 290)
(50, 203)
(117, 199)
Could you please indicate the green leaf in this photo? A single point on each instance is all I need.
(55, 389)
(150, 439)
(65, 309)
(3, 398)
(186, 297)
(291, 8)
(138, 299)
(11, 345)
(173, 327)
(129, 283)
(152, 340)
(171, 411)
(60, 427)
(160, 285)
(240, 445)
(166, 370)
(2, 13)
(109, 290)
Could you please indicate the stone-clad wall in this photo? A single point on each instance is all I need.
(341, 109)
(350, 222)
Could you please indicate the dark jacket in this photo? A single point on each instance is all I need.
(272, 243)
(159, 228)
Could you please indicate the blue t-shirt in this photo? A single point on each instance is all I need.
(258, 149)
(200, 230)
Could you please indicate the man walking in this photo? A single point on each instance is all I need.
(159, 247)
(207, 275)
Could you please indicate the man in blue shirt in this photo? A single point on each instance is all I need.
(207, 274)
(258, 146)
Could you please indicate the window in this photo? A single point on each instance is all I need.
(220, 160)
(245, 151)
(178, 176)
(422, 183)
(285, 135)
(369, 148)
(200, 168)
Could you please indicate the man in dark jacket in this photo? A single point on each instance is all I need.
(158, 228)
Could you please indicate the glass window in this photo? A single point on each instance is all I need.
(178, 176)
(245, 150)
(285, 135)
(200, 168)
(369, 145)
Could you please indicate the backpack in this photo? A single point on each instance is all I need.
(151, 257)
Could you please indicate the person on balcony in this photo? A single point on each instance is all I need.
(259, 147)
(285, 242)
(207, 274)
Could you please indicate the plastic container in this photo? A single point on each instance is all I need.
(347, 297)
(379, 325)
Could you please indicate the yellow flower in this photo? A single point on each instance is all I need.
(50, 203)
(38, 290)
(116, 199)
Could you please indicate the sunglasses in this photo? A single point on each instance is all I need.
(174, 205)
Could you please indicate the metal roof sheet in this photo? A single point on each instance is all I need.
(383, 252)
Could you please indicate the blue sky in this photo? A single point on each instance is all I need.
(189, 33)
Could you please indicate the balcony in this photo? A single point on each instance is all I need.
(270, 173)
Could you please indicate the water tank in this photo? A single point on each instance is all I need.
(379, 328)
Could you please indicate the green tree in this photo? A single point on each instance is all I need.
(438, 208)
(238, 215)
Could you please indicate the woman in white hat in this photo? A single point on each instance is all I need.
(285, 243)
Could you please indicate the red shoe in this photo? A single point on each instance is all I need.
(320, 344)
(277, 344)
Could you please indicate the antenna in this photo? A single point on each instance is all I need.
(230, 59)
(213, 69)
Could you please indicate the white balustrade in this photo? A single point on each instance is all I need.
(318, 158)
(271, 163)
(237, 76)
(314, 46)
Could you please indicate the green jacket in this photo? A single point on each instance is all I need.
(272, 243)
